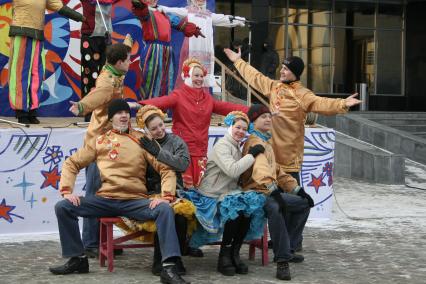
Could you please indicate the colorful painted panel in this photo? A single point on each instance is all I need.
(62, 53)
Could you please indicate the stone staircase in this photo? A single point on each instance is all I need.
(376, 146)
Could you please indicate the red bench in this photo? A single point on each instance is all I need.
(107, 243)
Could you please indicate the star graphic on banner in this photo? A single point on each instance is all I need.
(5, 211)
(316, 182)
(32, 200)
(51, 178)
(24, 185)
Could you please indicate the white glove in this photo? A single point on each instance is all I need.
(241, 21)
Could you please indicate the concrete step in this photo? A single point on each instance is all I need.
(356, 159)
(400, 121)
(380, 135)
(389, 114)
(410, 128)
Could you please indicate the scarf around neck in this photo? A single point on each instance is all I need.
(265, 136)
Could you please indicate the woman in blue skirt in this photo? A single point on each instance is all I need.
(222, 208)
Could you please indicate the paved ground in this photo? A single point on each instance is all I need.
(383, 241)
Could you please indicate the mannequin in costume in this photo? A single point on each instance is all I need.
(95, 36)
(26, 67)
(157, 75)
(202, 48)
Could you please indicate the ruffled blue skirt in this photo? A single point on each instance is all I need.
(212, 215)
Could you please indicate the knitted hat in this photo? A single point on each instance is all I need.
(295, 64)
(257, 110)
(145, 112)
(116, 106)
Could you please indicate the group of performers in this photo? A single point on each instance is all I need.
(165, 183)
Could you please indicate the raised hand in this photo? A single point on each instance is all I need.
(352, 101)
(233, 56)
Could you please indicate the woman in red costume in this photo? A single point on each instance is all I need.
(192, 107)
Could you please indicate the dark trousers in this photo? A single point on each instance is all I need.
(286, 231)
(95, 206)
(91, 225)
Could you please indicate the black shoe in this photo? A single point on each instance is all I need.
(118, 252)
(91, 252)
(180, 268)
(34, 120)
(169, 275)
(24, 120)
(299, 248)
(194, 252)
(240, 267)
(283, 271)
(224, 263)
(297, 258)
(74, 264)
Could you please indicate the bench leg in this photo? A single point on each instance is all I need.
(252, 251)
(110, 248)
(102, 243)
(264, 247)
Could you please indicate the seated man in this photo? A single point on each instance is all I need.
(122, 163)
(287, 207)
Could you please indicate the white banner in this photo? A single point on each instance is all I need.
(31, 162)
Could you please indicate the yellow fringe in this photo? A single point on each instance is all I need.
(182, 207)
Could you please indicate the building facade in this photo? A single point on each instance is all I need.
(344, 43)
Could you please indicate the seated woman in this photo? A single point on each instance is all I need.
(172, 151)
(221, 206)
(287, 205)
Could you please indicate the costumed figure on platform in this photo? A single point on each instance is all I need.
(26, 63)
(222, 206)
(122, 163)
(287, 205)
(109, 86)
(202, 48)
(157, 75)
(95, 36)
(171, 150)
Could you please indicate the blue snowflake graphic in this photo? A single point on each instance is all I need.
(53, 154)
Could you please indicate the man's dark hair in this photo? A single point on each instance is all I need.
(117, 51)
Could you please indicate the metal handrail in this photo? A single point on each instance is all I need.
(250, 92)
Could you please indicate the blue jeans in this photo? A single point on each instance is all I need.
(95, 206)
(91, 225)
(286, 232)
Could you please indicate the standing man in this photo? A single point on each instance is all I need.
(289, 102)
(109, 86)
(122, 163)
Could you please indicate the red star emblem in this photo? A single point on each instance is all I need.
(51, 178)
(5, 211)
(316, 182)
